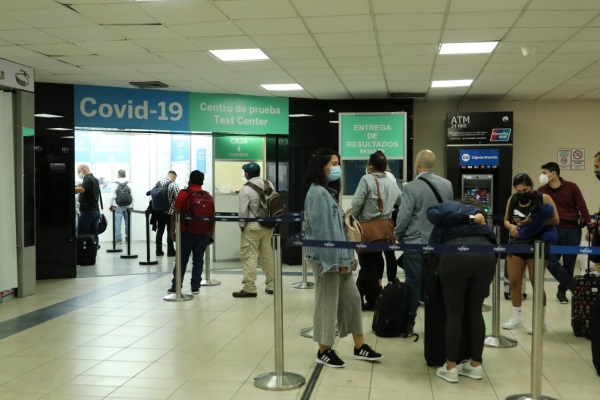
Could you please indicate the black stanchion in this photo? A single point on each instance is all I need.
(148, 261)
(129, 255)
(114, 249)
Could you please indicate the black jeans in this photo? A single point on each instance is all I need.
(391, 266)
(368, 276)
(164, 223)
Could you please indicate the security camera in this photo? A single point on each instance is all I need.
(527, 51)
(505, 118)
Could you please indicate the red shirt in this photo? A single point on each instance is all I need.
(569, 203)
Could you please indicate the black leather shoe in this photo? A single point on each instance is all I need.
(159, 253)
(269, 291)
(171, 254)
(242, 293)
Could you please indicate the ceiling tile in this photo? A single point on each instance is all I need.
(567, 92)
(485, 89)
(303, 63)
(355, 61)
(262, 75)
(419, 6)
(473, 35)
(350, 51)
(144, 32)
(482, 20)
(478, 5)
(308, 72)
(593, 95)
(218, 28)
(462, 59)
(263, 65)
(154, 68)
(409, 22)
(423, 76)
(28, 36)
(579, 47)
(403, 60)
(113, 59)
(63, 69)
(564, 66)
(187, 57)
(237, 9)
(408, 86)
(27, 5)
(345, 71)
(300, 53)
(409, 37)
(554, 19)
(591, 34)
(8, 23)
(56, 17)
(59, 49)
(353, 23)
(564, 5)
(321, 8)
(590, 82)
(175, 12)
(573, 57)
(167, 45)
(226, 42)
(445, 76)
(497, 67)
(346, 39)
(84, 34)
(284, 41)
(592, 74)
(469, 68)
(112, 47)
(129, 13)
(543, 48)
(540, 34)
(409, 49)
(271, 27)
(400, 70)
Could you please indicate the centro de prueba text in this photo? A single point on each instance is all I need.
(239, 108)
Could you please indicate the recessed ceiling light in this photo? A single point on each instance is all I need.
(59, 129)
(468, 48)
(282, 87)
(334, 122)
(300, 115)
(331, 111)
(239, 55)
(452, 83)
(44, 115)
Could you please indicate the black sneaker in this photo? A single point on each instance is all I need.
(242, 294)
(269, 291)
(195, 291)
(171, 290)
(366, 353)
(160, 253)
(171, 253)
(330, 359)
(561, 295)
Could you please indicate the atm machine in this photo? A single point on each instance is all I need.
(479, 187)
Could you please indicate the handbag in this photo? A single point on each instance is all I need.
(353, 228)
(377, 229)
(102, 223)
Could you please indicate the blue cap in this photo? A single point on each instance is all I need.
(251, 167)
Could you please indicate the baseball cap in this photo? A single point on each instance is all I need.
(251, 167)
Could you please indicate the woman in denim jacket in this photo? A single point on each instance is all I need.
(337, 301)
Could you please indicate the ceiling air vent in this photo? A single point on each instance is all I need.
(149, 85)
(407, 95)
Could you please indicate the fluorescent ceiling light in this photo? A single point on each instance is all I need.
(300, 115)
(239, 55)
(468, 48)
(331, 111)
(282, 87)
(59, 129)
(334, 122)
(452, 83)
(43, 115)
(68, 137)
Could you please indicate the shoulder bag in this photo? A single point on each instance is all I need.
(378, 229)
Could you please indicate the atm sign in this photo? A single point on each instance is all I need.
(500, 135)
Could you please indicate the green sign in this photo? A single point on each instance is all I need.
(239, 147)
(238, 114)
(28, 132)
(364, 134)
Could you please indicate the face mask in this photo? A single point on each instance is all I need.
(597, 173)
(80, 175)
(544, 179)
(524, 197)
(334, 174)
(415, 172)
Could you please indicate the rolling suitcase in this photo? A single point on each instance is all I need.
(585, 290)
(86, 250)
(595, 334)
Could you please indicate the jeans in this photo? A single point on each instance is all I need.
(164, 223)
(88, 224)
(564, 273)
(196, 244)
(120, 214)
(413, 270)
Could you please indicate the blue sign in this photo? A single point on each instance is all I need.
(201, 160)
(480, 157)
(83, 148)
(180, 148)
(106, 107)
(110, 148)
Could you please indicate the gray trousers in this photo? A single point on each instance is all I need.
(337, 302)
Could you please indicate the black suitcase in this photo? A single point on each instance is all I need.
(585, 290)
(435, 320)
(595, 334)
(86, 250)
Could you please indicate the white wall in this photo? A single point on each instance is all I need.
(540, 129)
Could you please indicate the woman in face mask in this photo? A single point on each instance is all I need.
(373, 186)
(529, 216)
(337, 301)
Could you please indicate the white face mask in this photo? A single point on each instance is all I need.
(544, 179)
(80, 175)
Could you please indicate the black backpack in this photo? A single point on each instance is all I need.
(391, 310)
(160, 197)
(123, 194)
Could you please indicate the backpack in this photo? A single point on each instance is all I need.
(199, 203)
(539, 200)
(391, 310)
(271, 204)
(123, 194)
(160, 197)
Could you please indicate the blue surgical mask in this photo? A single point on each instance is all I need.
(334, 174)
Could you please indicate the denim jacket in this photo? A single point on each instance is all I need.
(325, 221)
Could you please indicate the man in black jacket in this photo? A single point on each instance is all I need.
(89, 212)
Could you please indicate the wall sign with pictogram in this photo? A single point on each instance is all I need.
(571, 158)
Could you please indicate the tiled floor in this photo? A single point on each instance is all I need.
(115, 337)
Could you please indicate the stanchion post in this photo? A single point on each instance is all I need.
(278, 380)
(114, 248)
(305, 284)
(178, 296)
(496, 340)
(128, 255)
(148, 261)
(208, 281)
(537, 340)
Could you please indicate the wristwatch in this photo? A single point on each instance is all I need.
(471, 219)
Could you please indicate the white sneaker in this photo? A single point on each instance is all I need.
(447, 375)
(466, 369)
(544, 329)
(513, 323)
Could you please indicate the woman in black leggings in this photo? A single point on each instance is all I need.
(465, 279)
